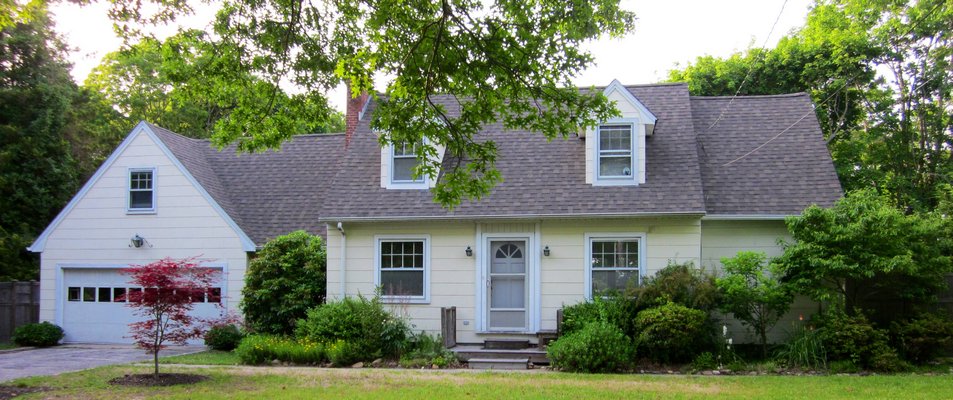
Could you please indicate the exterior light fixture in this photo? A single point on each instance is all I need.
(546, 251)
(469, 251)
(137, 241)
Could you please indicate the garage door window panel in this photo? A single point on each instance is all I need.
(119, 295)
(73, 293)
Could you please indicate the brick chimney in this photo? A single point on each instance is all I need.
(354, 113)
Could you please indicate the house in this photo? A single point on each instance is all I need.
(676, 178)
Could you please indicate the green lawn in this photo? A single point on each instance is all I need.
(295, 382)
(210, 357)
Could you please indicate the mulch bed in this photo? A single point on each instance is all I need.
(9, 392)
(162, 380)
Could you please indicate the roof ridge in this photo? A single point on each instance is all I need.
(751, 96)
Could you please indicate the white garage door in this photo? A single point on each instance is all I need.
(94, 312)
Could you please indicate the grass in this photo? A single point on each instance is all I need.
(294, 382)
(7, 346)
(210, 357)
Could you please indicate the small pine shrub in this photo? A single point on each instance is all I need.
(673, 333)
(223, 337)
(263, 349)
(369, 330)
(923, 339)
(597, 347)
(43, 334)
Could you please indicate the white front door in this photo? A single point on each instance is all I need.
(507, 286)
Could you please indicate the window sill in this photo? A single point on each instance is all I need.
(408, 185)
(404, 300)
(615, 182)
(140, 212)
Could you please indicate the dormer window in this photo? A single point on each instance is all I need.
(616, 150)
(404, 161)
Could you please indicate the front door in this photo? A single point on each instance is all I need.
(507, 286)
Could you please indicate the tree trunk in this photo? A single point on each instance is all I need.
(155, 357)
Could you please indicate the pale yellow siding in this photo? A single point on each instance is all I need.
(97, 230)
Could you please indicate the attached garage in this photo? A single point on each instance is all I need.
(94, 309)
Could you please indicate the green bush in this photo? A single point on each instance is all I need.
(804, 350)
(925, 338)
(283, 282)
(617, 310)
(424, 350)
(597, 347)
(43, 334)
(223, 337)
(368, 330)
(673, 333)
(263, 349)
(681, 284)
(704, 361)
(854, 338)
(342, 353)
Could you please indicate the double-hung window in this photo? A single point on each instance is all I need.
(403, 268)
(616, 152)
(142, 190)
(615, 263)
(404, 161)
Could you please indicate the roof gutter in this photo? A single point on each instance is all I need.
(511, 217)
(747, 217)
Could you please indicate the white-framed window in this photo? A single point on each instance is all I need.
(616, 152)
(403, 162)
(142, 193)
(614, 262)
(403, 268)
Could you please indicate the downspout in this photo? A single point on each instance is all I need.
(343, 257)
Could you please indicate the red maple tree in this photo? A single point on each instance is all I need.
(169, 288)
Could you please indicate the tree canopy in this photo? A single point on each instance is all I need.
(507, 60)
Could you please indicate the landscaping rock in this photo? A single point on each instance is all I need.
(358, 365)
(377, 362)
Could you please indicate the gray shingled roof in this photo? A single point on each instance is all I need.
(267, 194)
(689, 170)
(789, 169)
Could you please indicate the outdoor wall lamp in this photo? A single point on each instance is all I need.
(137, 241)
(469, 251)
(546, 251)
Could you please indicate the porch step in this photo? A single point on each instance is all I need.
(498, 363)
(471, 352)
(506, 344)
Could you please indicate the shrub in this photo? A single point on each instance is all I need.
(597, 347)
(673, 332)
(223, 337)
(262, 349)
(803, 350)
(617, 310)
(681, 284)
(923, 339)
(284, 281)
(424, 350)
(751, 291)
(704, 361)
(363, 324)
(43, 334)
(342, 353)
(854, 338)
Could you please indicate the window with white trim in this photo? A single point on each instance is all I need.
(402, 268)
(403, 162)
(616, 152)
(142, 190)
(614, 264)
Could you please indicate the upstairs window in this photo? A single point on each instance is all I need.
(404, 160)
(142, 190)
(616, 150)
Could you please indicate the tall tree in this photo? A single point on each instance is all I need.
(506, 60)
(37, 172)
(880, 74)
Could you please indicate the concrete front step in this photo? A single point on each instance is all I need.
(498, 363)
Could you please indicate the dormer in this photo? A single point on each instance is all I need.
(399, 166)
(615, 148)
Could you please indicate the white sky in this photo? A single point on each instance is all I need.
(668, 33)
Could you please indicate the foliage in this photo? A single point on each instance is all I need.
(923, 339)
(854, 338)
(673, 333)
(43, 334)
(223, 337)
(37, 172)
(751, 291)
(359, 325)
(598, 347)
(679, 283)
(704, 361)
(616, 309)
(263, 349)
(424, 350)
(284, 281)
(511, 63)
(864, 248)
(170, 285)
(804, 350)
(343, 353)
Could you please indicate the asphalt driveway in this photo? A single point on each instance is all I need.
(75, 357)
